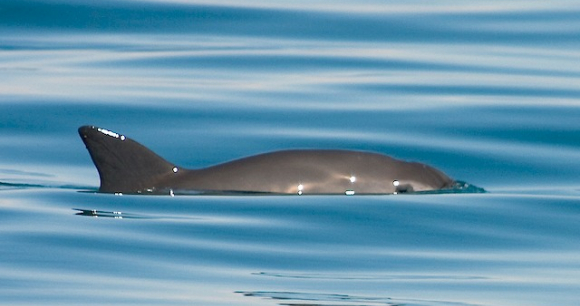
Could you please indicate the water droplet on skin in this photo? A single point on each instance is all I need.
(300, 188)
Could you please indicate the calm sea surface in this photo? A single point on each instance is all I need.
(486, 91)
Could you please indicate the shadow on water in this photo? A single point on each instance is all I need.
(108, 214)
(12, 186)
(315, 299)
(367, 277)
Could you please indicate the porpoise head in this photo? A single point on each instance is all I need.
(418, 177)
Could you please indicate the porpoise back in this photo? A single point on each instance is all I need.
(126, 166)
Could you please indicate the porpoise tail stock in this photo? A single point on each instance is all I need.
(125, 166)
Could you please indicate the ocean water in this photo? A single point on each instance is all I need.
(486, 91)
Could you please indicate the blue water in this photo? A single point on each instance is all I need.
(486, 91)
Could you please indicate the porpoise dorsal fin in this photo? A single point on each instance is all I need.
(123, 164)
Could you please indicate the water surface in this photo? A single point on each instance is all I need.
(485, 91)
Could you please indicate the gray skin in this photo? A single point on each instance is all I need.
(126, 166)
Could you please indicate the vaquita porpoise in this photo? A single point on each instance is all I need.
(126, 166)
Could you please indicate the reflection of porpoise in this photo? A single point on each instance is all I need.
(126, 166)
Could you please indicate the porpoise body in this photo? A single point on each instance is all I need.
(126, 166)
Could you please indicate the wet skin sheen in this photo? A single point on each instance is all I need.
(126, 166)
